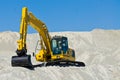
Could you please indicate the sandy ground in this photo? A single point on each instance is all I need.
(98, 49)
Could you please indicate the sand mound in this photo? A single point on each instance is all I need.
(99, 49)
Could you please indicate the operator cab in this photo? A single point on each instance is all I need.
(59, 44)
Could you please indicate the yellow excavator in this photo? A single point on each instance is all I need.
(54, 51)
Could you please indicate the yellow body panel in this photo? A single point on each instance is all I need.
(63, 57)
(40, 57)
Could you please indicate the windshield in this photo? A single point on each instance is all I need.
(54, 43)
(56, 46)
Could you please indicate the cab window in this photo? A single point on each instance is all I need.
(54, 43)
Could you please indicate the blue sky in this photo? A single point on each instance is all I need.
(62, 15)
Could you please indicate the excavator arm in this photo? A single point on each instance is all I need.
(22, 50)
(30, 19)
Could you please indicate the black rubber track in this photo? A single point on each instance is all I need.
(65, 63)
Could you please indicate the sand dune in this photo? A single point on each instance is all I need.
(98, 49)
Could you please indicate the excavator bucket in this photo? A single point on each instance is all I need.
(22, 61)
